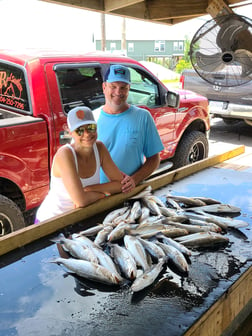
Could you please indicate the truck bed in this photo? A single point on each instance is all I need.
(8, 118)
(226, 102)
(39, 297)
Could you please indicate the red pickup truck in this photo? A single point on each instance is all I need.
(36, 92)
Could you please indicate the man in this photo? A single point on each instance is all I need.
(129, 132)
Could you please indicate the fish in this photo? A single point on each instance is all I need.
(151, 230)
(152, 205)
(83, 240)
(153, 249)
(176, 256)
(135, 212)
(89, 270)
(109, 218)
(187, 200)
(148, 277)
(143, 193)
(218, 209)
(118, 232)
(169, 241)
(207, 218)
(224, 222)
(102, 235)
(202, 239)
(172, 203)
(207, 200)
(157, 200)
(75, 248)
(124, 259)
(145, 214)
(137, 250)
(192, 228)
(92, 230)
(176, 218)
(106, 261)
(168, 212)
(151, 220)
(173, 232)
(147, 230)
(122, 218)
(214, 226)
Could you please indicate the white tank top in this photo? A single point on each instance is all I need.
(58, 199)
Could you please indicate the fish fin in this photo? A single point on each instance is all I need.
(58, 239)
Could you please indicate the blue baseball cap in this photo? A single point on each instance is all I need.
(117, 73)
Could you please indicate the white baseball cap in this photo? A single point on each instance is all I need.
(79, 116)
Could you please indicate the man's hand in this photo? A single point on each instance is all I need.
(128, 183)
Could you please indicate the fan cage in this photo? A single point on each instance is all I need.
(221, 50)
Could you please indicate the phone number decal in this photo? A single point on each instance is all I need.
(11, 102)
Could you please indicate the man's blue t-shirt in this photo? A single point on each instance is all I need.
(129, 136)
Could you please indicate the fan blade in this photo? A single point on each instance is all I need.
(244, 57)
(232, 28)
(244, 40)
(209, 63)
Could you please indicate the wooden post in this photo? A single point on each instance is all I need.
(103, 32)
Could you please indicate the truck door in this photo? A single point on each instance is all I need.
(70, 85)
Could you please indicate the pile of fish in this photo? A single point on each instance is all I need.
(135, 242)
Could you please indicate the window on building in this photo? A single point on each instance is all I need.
(178, 45)
(130, 47)
(181, 45)
(112, 46)
(159, 46)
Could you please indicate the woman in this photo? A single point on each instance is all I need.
(75, 174)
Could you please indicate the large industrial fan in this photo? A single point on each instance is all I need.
(221, 50)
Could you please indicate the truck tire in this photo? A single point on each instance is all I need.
(192, 147)
(11, 217)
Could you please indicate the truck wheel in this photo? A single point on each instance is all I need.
(11, 217)
(192, 147)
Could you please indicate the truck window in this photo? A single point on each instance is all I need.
(80, 86)
(143, 89)
(13, 91)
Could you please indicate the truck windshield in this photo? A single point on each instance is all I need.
(13, 91)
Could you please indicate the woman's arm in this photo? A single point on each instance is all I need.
(111, 170)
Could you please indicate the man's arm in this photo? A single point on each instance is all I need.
(151, 163)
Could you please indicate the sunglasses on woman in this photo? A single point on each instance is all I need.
(91, 128)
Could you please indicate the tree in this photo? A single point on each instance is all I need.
(185, 62)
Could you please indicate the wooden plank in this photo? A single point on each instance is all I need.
(36, 231)
(220, 315)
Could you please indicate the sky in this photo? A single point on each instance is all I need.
(39, 24)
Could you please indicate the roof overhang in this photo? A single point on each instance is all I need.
(167, 12)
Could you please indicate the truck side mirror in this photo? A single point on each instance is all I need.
(172, 99)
